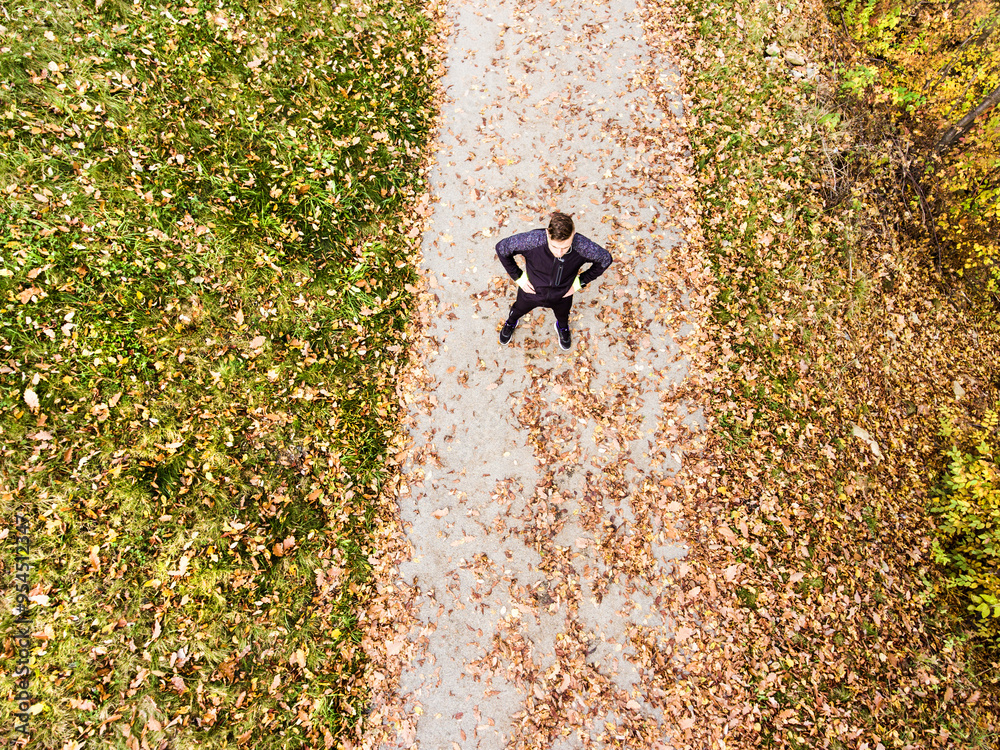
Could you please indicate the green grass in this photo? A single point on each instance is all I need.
(202, 280)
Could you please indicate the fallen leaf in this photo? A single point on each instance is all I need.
(31, 399)
(862, 434)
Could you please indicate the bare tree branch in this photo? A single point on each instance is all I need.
(959, 129)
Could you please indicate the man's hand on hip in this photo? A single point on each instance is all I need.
(577, 286)
(525, 284)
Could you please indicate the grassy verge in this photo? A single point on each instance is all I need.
(836, 352)
(204, 287)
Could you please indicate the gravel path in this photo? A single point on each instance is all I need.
(536, 485)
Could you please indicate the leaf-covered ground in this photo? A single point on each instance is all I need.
(538, 598)
(204, 279)
(205, 285)
(809, 612)
(836, 352)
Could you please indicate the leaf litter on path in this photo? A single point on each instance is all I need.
(551, 598)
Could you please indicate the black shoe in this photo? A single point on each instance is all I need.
(565, 341)
(507, 331)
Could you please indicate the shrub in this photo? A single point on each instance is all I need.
(968, 510)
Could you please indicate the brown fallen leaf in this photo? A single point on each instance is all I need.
(566, 682)
(25, 296)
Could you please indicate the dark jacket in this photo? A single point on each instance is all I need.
(551, 276)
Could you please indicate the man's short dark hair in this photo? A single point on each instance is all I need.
(560, 226)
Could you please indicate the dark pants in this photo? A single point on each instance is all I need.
(525, 304)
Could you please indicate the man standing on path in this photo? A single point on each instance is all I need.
(553, 258)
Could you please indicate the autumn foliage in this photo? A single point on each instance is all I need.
(935, 68)
(968, 508)
(836, 347)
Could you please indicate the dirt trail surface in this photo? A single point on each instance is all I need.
(539, 491)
